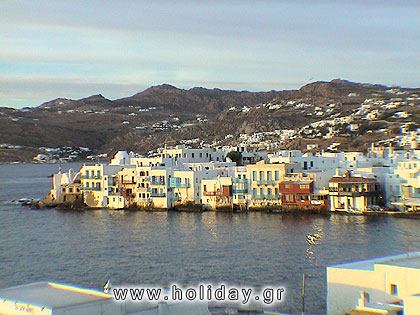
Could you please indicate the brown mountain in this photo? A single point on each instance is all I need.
(166, 114)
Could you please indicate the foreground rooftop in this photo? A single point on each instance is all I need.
(52, 295)
(409, 260)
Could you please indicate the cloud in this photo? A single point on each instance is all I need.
(76, 48)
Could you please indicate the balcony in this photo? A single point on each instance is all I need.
(212, 193)
(239, 191)
(157, 194)
(265, 182)
(179, 185)
(90, 176)
(90, 188)
(266, 197)
(215, 193)
(218, 193)
(351, 192)
(157, 181)
(128, 182)
(239, 180)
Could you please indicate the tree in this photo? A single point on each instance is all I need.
(235, 156)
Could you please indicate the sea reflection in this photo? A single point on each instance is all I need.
(159, 248)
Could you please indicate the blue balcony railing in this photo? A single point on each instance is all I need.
(179, 185)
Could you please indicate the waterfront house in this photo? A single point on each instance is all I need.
(296, 192)
(217, 193)
(386, 286)
(352, 193)
(173, 178)
(264, 182)
(65, 187)
(184, 188)
(126, 185)
(160, 194)
(98, 184)
(240, 188)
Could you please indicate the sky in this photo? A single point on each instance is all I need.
(74, 49)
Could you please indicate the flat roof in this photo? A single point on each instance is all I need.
(52, 295)
(408, 260)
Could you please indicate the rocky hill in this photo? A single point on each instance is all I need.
(320, 113)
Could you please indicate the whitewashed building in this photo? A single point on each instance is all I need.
(387, 286)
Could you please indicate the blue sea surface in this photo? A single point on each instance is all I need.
(159, 248)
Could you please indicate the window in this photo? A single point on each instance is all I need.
(276, 175)
(289, 198)
(366, 297)
(394, 289)
(254, 175)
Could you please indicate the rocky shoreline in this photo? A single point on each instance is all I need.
(80, 206)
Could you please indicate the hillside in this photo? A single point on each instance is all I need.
(321, 113)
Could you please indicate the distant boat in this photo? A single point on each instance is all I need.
(107, 286)
(28, 201)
